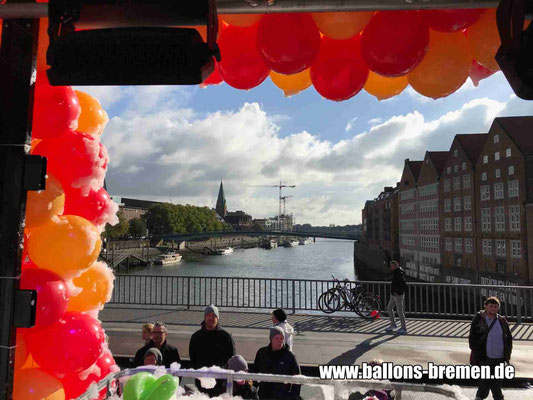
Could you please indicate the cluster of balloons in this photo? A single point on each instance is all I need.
(340, 53)
(66, 350)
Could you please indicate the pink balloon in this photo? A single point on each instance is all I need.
(72, 344)
(95, 206)
(52, 294)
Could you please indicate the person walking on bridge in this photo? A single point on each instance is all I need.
(398, 288)
(491, 342)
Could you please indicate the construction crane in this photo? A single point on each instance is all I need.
(284, 198)
(280, 186)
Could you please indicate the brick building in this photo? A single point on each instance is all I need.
(133, 208)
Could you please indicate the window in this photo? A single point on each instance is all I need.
(446, 185)
(457, 204)
(457, 224)
(511, 170)
(485, 219)
(498, 191)
(485, 192)
(447, 205)
(508, 152)
(467, 203)
(449, 170)
(464, 166)
(448, 244)
(497, 173)
(455, 153)
(513, 188)
(499, 219)
(466, 181)
(455, 168)
(516, 249)
(497, 156)
(457, 183)
(496, 138)
(448, 224)
(485, 159)
(514, 218)
(487, 247)
(500, 248)
(484, 176)
(468, 246)
(458, 245)
(468, 224)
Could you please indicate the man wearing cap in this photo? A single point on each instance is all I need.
(209, 346)
(241, 388)
(153, 357)
(276, 358)
(159, 341)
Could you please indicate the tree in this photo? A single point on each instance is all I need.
(137, 227)
(117, 231)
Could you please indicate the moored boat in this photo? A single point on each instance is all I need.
(168, 258)
(224, 251)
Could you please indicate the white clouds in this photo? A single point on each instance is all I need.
(349, 125)
(179, 155)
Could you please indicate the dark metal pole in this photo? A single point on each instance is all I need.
(17, 67)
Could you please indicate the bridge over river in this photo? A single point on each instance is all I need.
(207, 235)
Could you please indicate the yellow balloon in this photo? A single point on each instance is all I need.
(382, 87)
(292, 84)
(341, 25)
(35, 384)
(66, 245)
(96, 284)
(445, 66)
(42, 205)
(93, 118)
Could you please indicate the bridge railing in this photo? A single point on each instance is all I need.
(422, 299)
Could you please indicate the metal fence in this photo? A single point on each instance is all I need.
(422, 299)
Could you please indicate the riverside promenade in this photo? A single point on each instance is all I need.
(319, 338)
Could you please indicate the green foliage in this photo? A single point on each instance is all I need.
(137, 227)
(117, 231)
(166, 218)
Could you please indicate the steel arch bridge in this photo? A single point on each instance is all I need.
(207, 235)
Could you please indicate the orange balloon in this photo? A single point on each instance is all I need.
(341, 25)
(292, 84)
(42, 45)
(35, 384)
(382, 87)
(42, 205)
(96, 284)
(34, 143)
(445, 66)
(66, 245)
(21, 351)
(484, 39)
(242, 20)
(30, 363)
(93, 118)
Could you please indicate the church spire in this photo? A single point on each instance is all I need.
(221, 208)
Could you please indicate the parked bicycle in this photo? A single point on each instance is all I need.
(344, 297)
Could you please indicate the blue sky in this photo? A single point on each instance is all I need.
(176, 143)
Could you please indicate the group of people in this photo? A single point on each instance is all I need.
(213, 346)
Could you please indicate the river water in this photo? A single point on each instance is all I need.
(317, 260)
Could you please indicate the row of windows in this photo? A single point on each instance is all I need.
(429, 225)
(407, 209)
(467, 201)
(429, 242)
(497, 173)
(457, 183)
(512, 190)
(458, 224)
(429, 206)
(499, 219)
(500, 248)
(458, 248)
(428, 190)
(497, 155)
(407, 195)
(408, 240)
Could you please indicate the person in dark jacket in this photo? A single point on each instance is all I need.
(159, 341)
(209, 346)
(244, 389)
(491, 342)
(153, 357)
(398, 287)
(276, 358)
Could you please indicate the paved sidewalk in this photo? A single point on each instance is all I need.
(319, 338)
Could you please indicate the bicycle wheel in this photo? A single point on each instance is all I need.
(367, 306)
(329, 301)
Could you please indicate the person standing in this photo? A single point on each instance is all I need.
(277, 359)
(159, 341)
(398, 288)
(209, 346)
(491, 343)
(147, 332)
(279, 318)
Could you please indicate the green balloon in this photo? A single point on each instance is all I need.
(137, 384)
(162, 389)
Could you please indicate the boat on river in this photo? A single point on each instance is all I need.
(224, 251)
(291, 243)
(304, 241)
(168, 258)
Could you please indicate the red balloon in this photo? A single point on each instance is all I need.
(56, 110)
(339, 72)
(288, 43)
(478, 72)
(450, 20)
(75, 158)
(95, 206)
(394, 42)
(52, 294)
(72, 344)
(213, 79)
(241, 66)
(76, 384)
